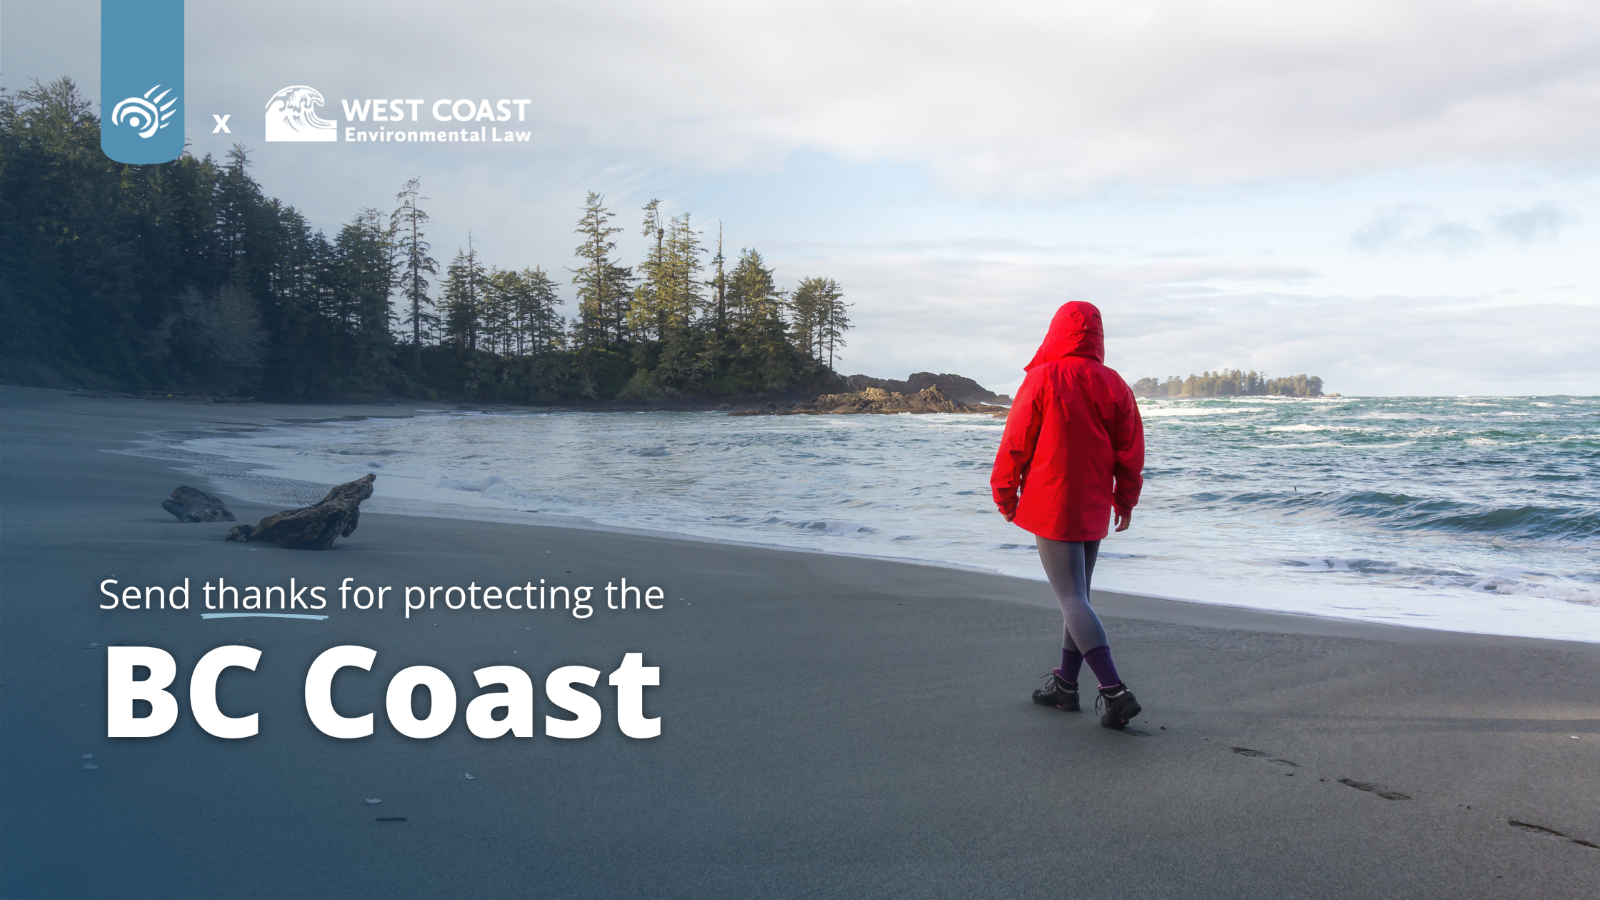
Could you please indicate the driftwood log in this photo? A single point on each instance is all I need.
(194, 505)
(312, 527)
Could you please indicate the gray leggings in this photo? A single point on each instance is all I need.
(1069, 565)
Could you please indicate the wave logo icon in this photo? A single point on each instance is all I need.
(292, 116)
(142, 113)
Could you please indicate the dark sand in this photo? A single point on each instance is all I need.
(831, 726)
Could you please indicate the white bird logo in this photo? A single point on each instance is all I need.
(143, 113)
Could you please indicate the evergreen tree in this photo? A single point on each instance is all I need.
(60, 258)
(463, 297)
(834, 321)
(817, 315)
(539, 325)
(603, 286)
(804, 315)
(1229, 383)
(755, 306)
(498, 311)
(668, 299)
(415, 267)
(365, 277)
(719, 284)
(648, 313)
(187, 276)
(683, 300)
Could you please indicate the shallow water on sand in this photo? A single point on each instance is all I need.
(1465, 514)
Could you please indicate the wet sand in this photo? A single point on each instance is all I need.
(830, 726)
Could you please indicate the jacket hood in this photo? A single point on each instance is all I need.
(1075, 331)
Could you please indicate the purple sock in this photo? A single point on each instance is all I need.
(1071, 663)
(1099, 660)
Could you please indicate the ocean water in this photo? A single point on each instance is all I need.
(1477, 514)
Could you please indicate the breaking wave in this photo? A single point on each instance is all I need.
(1402, 511)
(1479, 515)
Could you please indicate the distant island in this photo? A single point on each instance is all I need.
(958, 388)
(877, 401)
(1230, 383)
(923, 392)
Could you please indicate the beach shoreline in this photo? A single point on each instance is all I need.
(494, 469)
(833, 725)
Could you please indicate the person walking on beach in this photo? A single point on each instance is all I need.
(1072, 453)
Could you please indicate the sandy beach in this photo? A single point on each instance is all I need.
(831, 726)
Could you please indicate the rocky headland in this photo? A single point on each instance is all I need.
(876, 401)
(923, 392)
(957, 387)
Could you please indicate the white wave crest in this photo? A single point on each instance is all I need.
(1511, 587)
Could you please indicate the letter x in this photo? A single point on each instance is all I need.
(222, 123)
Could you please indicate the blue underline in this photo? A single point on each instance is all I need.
(259, 616)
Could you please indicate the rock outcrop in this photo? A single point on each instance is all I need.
(194, 505)
(876, 401)
(312, 527)
(957, 387)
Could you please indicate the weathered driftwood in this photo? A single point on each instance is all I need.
(194, 505)
(312, 527)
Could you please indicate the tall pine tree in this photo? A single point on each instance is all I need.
(602, 285)
(415, 265)
(463, 296)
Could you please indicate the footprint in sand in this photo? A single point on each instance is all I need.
(1258, 754)
(1542, 831)
(1380, 790)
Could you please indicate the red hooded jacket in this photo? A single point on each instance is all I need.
(1074, 442)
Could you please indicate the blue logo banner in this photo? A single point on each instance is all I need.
(141, 80)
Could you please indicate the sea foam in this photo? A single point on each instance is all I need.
(1473, 515)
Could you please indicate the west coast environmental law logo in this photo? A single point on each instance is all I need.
(143, 115)
(292, 116)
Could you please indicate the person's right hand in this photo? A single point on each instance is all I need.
(1124, 519)
(1005, 500)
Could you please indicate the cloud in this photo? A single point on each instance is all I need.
(1019, 99)
(1541, 221)
(1419, 228)
(984, 318)
(1416, 228)
(1387, 228)
(965, 168)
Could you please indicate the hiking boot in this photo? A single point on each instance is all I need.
(1063, 695)
(1121, 707)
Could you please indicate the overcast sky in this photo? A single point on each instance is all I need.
(1400, 196)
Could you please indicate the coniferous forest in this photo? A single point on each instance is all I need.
(1229, 383)
(186, 277)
